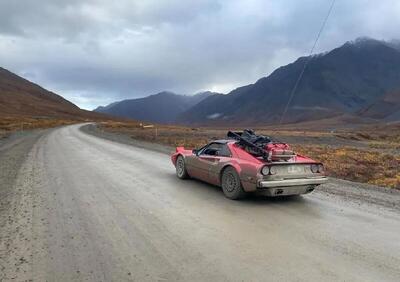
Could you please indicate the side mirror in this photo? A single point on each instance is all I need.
(195, 151)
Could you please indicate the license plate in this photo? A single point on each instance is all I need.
(294, 169)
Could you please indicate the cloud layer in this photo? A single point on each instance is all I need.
(95, 51)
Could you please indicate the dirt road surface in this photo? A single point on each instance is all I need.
(83, 208)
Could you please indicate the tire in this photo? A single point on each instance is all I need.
(231, 185)
(181, 168)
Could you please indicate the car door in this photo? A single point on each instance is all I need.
(222, 157)
(192, 163)
(204, 161)
(211, 160)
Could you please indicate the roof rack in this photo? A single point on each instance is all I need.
(244, 142)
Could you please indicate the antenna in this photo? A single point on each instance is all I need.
(306, 63)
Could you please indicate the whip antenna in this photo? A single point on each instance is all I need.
(306, 62)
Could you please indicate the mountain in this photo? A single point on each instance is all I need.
(163, 107)
(346, 80)
(20, 97)
(395, 43)
(386, 107)
(104, 108)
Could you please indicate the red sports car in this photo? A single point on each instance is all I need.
(246, 162)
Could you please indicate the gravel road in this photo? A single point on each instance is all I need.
(84, 208)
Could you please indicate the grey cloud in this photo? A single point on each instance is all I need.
(98, 51)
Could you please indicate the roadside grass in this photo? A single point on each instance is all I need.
(371, 164)
(355, 164)
(11, 124)
(376, 138)
(166, 135)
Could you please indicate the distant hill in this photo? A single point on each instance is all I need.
(20, 97)
(105, 108)
(163, 107)
(360, 78)
(385, 107)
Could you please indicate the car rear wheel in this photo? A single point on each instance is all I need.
(181, 168)
(231, 185)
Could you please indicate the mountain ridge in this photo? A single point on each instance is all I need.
(163, 107)
(342, 81)
(20, 97)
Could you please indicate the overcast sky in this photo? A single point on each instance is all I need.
(94, 52)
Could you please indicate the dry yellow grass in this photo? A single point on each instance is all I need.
(385, 137)
(167, 135)
(349, 163)
(11, 124)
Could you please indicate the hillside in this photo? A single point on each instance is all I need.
(355, 79)
(22, 98)
(386, 107)
(163, 107)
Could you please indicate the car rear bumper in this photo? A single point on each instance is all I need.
(292, 182)
(289, 186)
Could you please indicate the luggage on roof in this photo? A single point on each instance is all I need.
(262, 146)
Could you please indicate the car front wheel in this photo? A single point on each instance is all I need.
(231, 185)
(181, 168)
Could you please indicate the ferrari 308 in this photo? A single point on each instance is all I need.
(246, 162)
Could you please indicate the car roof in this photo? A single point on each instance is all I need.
(223, 141)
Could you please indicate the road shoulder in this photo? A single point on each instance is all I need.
(13, 152)
(16, 203)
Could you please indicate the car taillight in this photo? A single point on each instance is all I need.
(265, 170)
(317, 168)
(268, 170)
